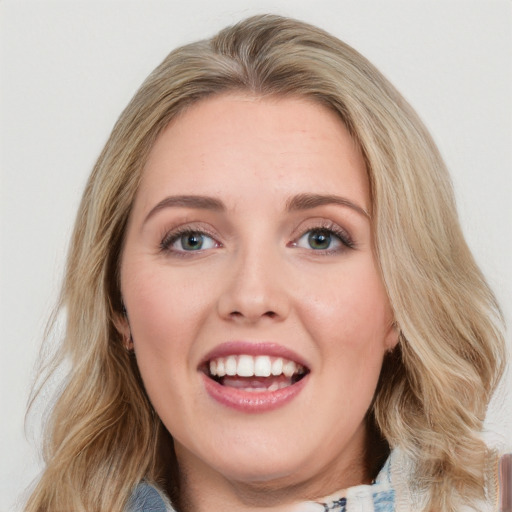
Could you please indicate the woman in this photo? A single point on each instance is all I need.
(270, 304)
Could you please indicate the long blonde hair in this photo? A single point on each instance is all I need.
(103, 435)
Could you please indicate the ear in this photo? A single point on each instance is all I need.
(392, 336)
(123, 328)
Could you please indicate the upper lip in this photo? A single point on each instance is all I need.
(234, 348)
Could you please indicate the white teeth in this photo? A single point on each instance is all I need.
(231, 366)
(277, 366)
(245, 366)
(250, 366)
(221, 369)
(277, 385)
(262, 366)
(289, 368)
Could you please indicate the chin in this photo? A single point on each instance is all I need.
(262, 459)
(255, 466)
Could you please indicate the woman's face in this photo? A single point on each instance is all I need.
(258, 316)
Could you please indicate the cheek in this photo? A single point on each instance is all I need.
(165, 312)
(351, 312)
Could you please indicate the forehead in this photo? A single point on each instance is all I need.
(241, 141)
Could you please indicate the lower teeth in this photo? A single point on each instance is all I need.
(273, 387)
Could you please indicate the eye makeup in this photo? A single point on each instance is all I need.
(323, 236)
(320, 236)
(187, 239)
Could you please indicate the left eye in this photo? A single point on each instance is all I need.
(320, 240)
(192, 241)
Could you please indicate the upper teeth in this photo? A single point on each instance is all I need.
(253, 366)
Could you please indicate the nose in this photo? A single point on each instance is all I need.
(255, 289)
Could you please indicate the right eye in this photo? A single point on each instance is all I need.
(188, 241)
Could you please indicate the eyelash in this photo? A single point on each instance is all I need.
(328, 228)
(174, 235)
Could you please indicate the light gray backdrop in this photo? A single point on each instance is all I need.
(68, 68)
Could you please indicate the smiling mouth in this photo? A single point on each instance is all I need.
(260, 373)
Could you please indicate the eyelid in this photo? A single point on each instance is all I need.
(327, 225)
(172, 234)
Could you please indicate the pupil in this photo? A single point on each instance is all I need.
(192, 241)
(319, 239)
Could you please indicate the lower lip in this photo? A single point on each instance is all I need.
(252, 401)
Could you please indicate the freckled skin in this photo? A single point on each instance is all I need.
(257, 280)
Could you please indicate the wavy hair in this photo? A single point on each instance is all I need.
(103, 435)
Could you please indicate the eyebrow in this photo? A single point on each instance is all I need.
(197, 202)
(309, 201)
(296, 203)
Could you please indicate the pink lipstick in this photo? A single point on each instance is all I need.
(253, 377)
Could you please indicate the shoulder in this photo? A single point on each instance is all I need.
(148, 498)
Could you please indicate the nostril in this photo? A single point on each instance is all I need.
(238, 314)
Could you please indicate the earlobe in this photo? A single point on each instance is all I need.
(392, 336)
(123, 328)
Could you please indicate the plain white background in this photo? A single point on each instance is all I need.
(68, 68)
